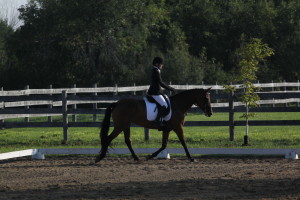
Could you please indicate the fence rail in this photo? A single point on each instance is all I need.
(21, 101)
(48, 102)
(134, 88)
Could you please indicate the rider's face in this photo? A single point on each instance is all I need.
(160, 66)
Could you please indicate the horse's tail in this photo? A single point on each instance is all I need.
(106, 123)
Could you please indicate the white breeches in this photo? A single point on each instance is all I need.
(159, 99)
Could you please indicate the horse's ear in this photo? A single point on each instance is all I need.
(207, 90)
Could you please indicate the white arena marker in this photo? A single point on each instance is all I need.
(39, 153)
(17, 154)
(164, 154)
(38, 156)
(291, 155)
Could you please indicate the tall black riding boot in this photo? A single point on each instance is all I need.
(160, 113)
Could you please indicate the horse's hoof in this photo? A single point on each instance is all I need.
(97, 159)
(192, 160)
(138, 161)
(92, 163)
(149, 157)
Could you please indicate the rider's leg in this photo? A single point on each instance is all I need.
(161, 109)
(159, 99)
(160, 113)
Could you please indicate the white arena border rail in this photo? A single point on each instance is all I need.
(40, 153)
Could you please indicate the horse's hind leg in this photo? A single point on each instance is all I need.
(163, 146)
(128, 142)
(104, 148)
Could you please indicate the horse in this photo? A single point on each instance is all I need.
(129, 110)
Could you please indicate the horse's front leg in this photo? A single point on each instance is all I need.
(128, 142)
(179, 132)
(163, 146)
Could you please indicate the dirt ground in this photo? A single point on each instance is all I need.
(122, 178)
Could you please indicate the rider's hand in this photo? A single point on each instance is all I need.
(174, 91)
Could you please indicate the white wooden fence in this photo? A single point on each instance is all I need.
(11, 101)
(274, 87)
(22, 103)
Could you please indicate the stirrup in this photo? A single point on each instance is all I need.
(161, 125)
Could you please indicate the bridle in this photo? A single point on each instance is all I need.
(206, 107)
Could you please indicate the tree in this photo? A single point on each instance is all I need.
(9, 13)
(105, 42)
(83, 42)
(252, 54)
(5, 32)
(287, 41)
(63, 42)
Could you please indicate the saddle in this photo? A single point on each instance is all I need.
(152, 100)
(151, 106)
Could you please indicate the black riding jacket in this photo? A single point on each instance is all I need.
(157, 83)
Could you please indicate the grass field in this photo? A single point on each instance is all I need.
(196, 137)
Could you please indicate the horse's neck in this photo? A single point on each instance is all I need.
(184, 100)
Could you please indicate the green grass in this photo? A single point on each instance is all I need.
(196, 137)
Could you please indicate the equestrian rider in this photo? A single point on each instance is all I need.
(155, 89)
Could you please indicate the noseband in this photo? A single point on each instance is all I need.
(204, 103)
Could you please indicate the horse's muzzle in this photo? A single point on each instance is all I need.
(208, 114)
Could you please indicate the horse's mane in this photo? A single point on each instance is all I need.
(187, 92)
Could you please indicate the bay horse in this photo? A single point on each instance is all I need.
(127, 111)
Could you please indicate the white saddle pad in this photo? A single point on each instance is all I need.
(152, 111)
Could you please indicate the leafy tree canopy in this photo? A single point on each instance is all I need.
(63, 42)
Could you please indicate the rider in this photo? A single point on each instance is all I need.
(155, 89)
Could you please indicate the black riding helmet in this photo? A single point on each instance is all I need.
(157, 60)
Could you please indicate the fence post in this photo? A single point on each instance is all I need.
(2, 120)
(116, 89)
(50, 106)
(217, 101)
(298, 91)
(95, 104)
(74, 106)
(273, 91)
(146, 130)
(231, 116)
(65, 115)
(26, 107)
(286, 104)
(134, 89)
(147, 134)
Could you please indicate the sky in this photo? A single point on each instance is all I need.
(9, 11)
